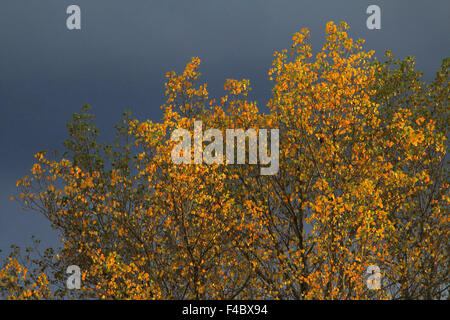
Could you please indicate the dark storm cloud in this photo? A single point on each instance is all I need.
(119, 58)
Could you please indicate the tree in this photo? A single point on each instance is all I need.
(363, 180)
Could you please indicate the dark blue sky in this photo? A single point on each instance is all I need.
(119, 58)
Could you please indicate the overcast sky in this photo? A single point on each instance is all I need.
(118, 59)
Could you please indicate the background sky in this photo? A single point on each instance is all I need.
(119, 58)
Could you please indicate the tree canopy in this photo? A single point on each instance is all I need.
(363, 180)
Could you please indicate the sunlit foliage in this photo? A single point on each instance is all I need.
(363, 180)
